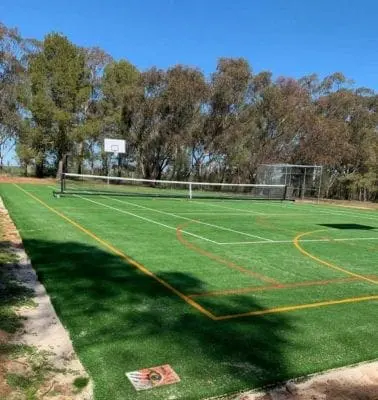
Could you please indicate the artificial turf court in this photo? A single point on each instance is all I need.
(232, 294)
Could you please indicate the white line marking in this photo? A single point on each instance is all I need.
(303, 240)
(221, 213)
(189, 219)
(225, 207)
(314, 208)
(347, 214)
(347, 239)
(317, 208)
(145, 219)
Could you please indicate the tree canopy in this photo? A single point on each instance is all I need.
(57, 98)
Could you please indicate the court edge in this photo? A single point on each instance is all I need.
(188, 300)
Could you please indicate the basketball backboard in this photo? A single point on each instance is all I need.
(115, 146)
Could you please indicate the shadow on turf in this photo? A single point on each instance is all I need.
(349, 226)
(122, 320)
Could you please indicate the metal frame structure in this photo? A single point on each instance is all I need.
(303, 181)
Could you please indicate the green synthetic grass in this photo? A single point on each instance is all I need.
(121, 320)
(80, 184)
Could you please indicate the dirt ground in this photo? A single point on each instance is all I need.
(359, 382)
(361, 205)
(50, 362)
(20, 179)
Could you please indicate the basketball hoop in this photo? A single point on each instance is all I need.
(114, 147)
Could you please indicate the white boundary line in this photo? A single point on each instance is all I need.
(317, 207)
(221, 213)
(314, 211)
(328, 211)
(346, 214)
(195, 201)
(244, 212)
(303, 240)
(189, 219)
(145, 219)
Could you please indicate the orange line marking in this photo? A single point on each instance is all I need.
(326, 263)
(184, 297)
(273, 287)
(298, 307)
(122, 255)
(217, 258)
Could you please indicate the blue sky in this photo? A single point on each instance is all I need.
(287, 37)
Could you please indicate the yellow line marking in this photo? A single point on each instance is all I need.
(188, 300)
(297, 307)
(326, 263)
(220, 260)
(281, 286)
(122, 255)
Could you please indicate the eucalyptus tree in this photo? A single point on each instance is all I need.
(13, 51)
(59, 89)
(88, 132)
(162, 119)
(229, 96)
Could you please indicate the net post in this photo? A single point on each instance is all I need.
(320, 183)
(190, 191)
(63, 173)
(285, 193)
(62, 182)
(304, 184)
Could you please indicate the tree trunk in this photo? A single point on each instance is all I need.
(80, 166)
(158, 175)
(105, 164)
(39, 169)
(80, 158)
(146, 170)
(119, 159)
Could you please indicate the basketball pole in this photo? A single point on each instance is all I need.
(109, 165)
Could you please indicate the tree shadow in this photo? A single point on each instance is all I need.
(122, 320)
(350, 226)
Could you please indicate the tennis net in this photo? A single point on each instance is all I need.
(106, 185)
